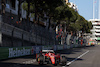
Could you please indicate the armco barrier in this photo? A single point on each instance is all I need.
(65, 47)
(4, 53)
(47, 47)
(11, 52)
(59, 47)
(55, 47)
(68, 46)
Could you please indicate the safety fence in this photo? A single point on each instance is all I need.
(12, 52)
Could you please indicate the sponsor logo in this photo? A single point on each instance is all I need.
(18, 52)
(37, 49)
(32, 50)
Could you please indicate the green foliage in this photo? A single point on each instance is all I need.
(25, 7)
(60, 13)
(90, 25)
(74, 15)
(63, 13)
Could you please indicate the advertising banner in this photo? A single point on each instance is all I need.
(47, 47)
(68, 46)
(38, 49)
(54, 47)
(11, 52)
(59, 47)
(64, 46)
(33, 50)
(6, 52)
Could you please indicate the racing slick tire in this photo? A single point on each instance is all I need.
(37, 56)
(41, 59)
(63, 60)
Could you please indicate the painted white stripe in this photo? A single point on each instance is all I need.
(30, 61)
(63, 66)
(77, 58)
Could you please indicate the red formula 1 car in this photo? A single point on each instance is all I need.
(49, 56)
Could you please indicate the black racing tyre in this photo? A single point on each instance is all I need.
(63, 63)
(38, 57)
(41, 59)
(41, 62)
(63, 60)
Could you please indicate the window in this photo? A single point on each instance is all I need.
(13, 3)
(97, 35)
(97, 32)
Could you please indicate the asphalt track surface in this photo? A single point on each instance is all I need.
(76, 57)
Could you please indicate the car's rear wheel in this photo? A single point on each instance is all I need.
(63, 60)
(38, 56)
(41, 59)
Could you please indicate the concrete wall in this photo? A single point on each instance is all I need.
(20, 37)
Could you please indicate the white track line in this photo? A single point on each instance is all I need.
(76, 58)
(30, 61)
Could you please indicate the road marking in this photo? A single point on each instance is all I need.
(29, 62)
(76, 58)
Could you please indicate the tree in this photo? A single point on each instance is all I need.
(41, 7)
(63, 15)
(19, 8)
(74, 16)
(59, 12)
(51, 6)
(19, 15)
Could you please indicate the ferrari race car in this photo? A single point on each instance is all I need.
(49, 56)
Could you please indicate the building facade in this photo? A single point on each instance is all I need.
(14, 33)
(96, 29)
(73, 6)
(66, 1)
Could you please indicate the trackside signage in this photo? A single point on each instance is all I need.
(47, 47)
(59, 47)
(18, 52)
(10, 52)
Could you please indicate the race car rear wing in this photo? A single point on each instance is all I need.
(45, 51)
